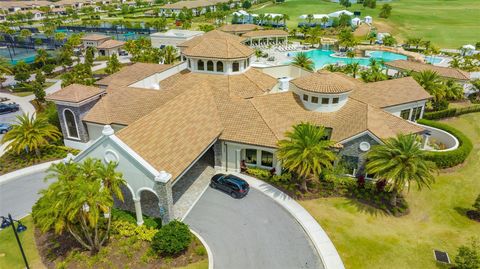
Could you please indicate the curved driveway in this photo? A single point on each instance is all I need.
(253, 232)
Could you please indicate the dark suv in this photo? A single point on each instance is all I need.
(230, 184)
(7, 108)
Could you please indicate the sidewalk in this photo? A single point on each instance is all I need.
(325, 248)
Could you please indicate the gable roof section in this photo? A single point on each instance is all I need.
(110, 44)
(446, 72)
(239, 27)
(132, 73)
(75, 93)
(217, 45)
(390, 92)
(260, 33)
(384, 125)
(94, 37)
(172, 137)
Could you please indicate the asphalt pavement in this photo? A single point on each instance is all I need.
(252, 232)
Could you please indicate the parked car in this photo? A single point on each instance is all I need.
(7, 108)
(230, 184)
(5, 127)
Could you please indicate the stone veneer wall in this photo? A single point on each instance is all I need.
(79, 114)
(352, 148)
(165, 203)
(217, 149)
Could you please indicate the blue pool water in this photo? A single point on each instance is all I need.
(323, 57)
(433, 60)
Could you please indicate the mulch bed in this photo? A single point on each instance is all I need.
(474, 215)
(120, 252)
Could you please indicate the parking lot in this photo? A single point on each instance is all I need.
(9, 118)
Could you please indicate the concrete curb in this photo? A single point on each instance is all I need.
(324, 246)
(26, 171)
(209, 251)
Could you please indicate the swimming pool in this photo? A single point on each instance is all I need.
(323, 57)
(433, 60)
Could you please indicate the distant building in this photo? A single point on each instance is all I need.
(172, 37)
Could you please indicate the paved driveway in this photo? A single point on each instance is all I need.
(253, 232)
(19, 195)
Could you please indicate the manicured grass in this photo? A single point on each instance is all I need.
(446, 23)
(197, 265)
(10, 256)
(22, 94)
(366, 238)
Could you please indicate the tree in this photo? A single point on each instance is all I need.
(5, 69)
(344, 20)
(401, 162)
(468, 257)
(385, 11)
(64, 58)
(431, 82)
(21, 72)
(40, 77)
(80, 74)
(285, 17)
(345, 3)
(169, 54)
(246, 4)
(306, 152)
(302, 60)
(310, 18)
(41, 58)
(453, 90)
(353, 69)
(80, 201)
(314, 36)
(346, 38)
(389, 40)
(113, 64)
(90, 55)
(29, 134)
(374, 73)
(324, 21)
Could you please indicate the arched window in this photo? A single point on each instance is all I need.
(210, 66)
(235, 66)
(219, 66)
(70, 123)
(200, 65)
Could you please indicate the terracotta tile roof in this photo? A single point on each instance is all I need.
(110, 44)
(75, 93)
(124, 105)
(261, 33)
(94, 37)
(132, 73)
(188, 4)
(234, 28)
(283, 110)
(216, 44)
(390, 92)
(171, 137)
(324, 82)
(446, 72)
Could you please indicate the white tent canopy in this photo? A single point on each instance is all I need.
(339, 13)
(468, 47)
(273, 15)
(315, 16)
(240, 13)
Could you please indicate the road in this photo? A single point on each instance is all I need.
(253, 232)
(18, 196)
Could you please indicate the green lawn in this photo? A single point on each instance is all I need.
(10, 256)
(447, 23)
(366, 238)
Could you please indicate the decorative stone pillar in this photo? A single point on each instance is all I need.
(163, 188)
(138, 211)
(278, 167)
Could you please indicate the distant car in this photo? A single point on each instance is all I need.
(5, 127)
(230, 184)
(7, 108)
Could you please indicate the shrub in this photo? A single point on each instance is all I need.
(260, 173)
(451, 112)
(172, 238)
(123, 215)
(468, 257)
(446, 159)
(200, 251)
(128, 229)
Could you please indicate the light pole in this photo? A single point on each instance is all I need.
(20, 228)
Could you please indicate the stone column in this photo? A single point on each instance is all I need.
(163, 188)
(138, 211)
(218, 152)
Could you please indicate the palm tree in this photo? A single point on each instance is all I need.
(324, 21)
(113, 64)
(285, 17)
(30, 134)
(258, 53)
(453, 90)
(306, 152)
(169, 54)
(310, 18)
(455, 62)
(401, 162)
(431, 82)
(76, 202)
(302, 60)
(353, 69)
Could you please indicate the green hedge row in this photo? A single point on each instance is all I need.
(451, 112)
(446, 159)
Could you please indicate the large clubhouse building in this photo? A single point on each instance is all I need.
(157, 121)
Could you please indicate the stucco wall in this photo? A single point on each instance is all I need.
(395, 110)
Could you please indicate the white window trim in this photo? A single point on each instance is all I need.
(66, 125)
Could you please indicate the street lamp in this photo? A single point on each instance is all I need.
(20, 228)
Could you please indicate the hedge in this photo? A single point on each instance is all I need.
(446, 159)
(451, 112)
